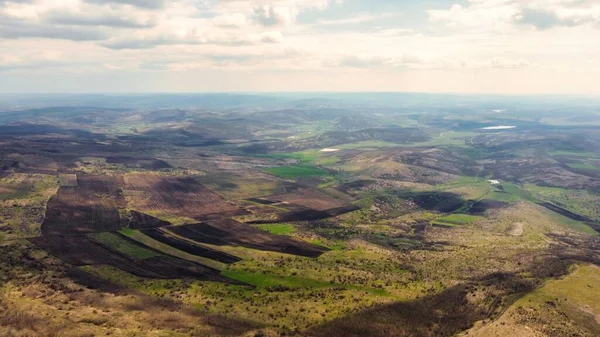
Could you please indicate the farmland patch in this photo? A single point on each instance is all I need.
(453, 220)
(482, 206)
(309, 198)
(189, 246)
(91, 206)
(138, 220)
(143, 163)
(232, 233)
(307, 215)
(120, 244)
(68, 180)
(436, 201)
(297, 171)
(169, 250)
(83, 251)
(177, 196)
(278, 229)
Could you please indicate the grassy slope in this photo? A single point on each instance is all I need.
(582, 166)
(564, 307)
(23, 200)
(456, 220)
(278, 229)
(150, 242)
(296, 171)
(123, 246)
(581, 202)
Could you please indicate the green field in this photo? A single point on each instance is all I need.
(164, 248)
(296, 171)
(453, 220)
(448, 138)
(574, 153)
(303, 157)
(573, 224)
(309, 157)
(511, 193)
(365, 144)
(581, 202)
(278, 229)
(124, 246)
(462, 181)
(582, 166)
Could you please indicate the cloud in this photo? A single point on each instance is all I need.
(493, 63)
(271, 37)
(479, 14)
(545, 19)
(232, 20)
(4, 2)
(13, 28)
(147, 4)
(375, 61)
(192, 38)
(500, 62)
(504, 15)
(44, 59)
(271, 16)
(147, 43)
(282, 12)
(355, 19)
(414, 61)
(470, 40)
(93, 19)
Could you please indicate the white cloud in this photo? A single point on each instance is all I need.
(476, 38)
(502, 15)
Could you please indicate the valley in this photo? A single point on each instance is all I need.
(216, 215)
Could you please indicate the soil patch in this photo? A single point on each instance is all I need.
(144, 163)
(140, 220)
(83, 251)
(481, 206)
(178, 196)
(91, 206)
(516, 230)
(232, 233)
(189, 247)
(309, 198)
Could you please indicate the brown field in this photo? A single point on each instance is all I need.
(7, 190)
(33, 162)
(189, 247)
(245, 184)
(176, 196)
(68, 180)
(233, 233)
(300, 214)
(90, 207)
(143, 163)
(139, 220)
(309, 198)
(83, 251)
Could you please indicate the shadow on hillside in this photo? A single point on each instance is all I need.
(447, 313)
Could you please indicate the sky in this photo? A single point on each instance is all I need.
(471, 46)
